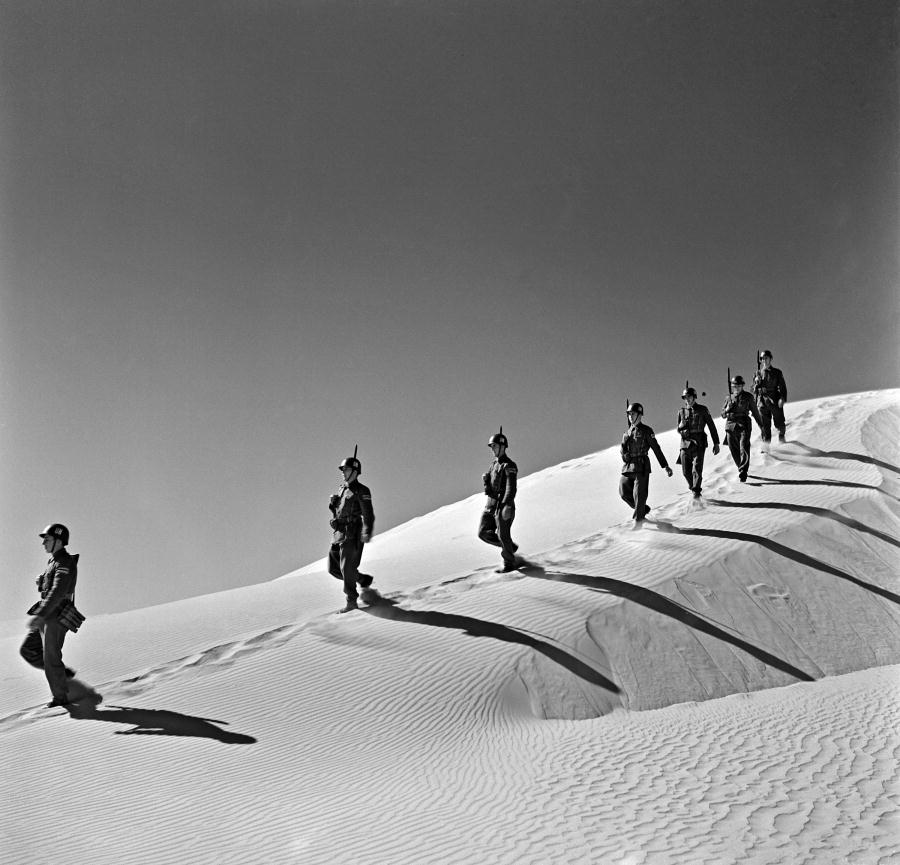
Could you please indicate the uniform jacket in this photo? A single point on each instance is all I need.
(738, 408)
(352, 509)
(691, 423)
(56, 583)
(636, 445)
(501, 481)
(769, 384)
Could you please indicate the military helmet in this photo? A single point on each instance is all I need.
(689, 391)
(352, 462)
(737, 379)
(498, 439)
(58, 531)
(765, 353)
(635, 406)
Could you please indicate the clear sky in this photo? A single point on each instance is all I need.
(237, 238)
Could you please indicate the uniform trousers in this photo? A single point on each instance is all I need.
(495, 530)
(633, 489)
(43, 649)
(770, 413)
(692, 466)
(343, 564)
(739, 445)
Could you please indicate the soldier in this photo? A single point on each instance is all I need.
(771, 393)
(692, 419)
(500, 508)
(738, 408)
(637, 443)
(44, 644)
(353, 521)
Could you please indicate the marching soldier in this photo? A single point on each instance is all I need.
(353, 521)
(693, 420)
(637, 443)
(737, 410)
(500, 482)
(46, 632)
(771, 394)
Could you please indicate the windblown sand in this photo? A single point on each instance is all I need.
(719, 687)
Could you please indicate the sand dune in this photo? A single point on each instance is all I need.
(719, 687)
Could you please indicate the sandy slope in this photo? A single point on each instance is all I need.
(476, 717)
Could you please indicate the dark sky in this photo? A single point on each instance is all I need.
(237, 238)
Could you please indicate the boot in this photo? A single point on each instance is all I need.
(349, 606)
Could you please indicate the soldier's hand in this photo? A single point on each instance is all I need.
(668, 471)
(365, 537)
(485, 477)
(507, 512)
(715, 449)
(781, 403)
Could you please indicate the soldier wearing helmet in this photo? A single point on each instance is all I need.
(46, 633)
(637, 442)
(352, 522)
(737, 411)
(500, 507)
(770, 391)
(693, 421)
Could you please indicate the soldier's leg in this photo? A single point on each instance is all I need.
(54, 635)
(765, 412)
(487, 528)
(641, 488)
(32, 649)
(733, 437)
(504, 533)
(626, 489)
(697, 470)
(687, 468)
(778, 419)
(744, 452)
(351, 554)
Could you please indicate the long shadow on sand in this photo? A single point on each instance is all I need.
(844, 455)
(157, 722)
(388, 609)
(819, 483)
(812, 511)
(781, 550)
(667, 607)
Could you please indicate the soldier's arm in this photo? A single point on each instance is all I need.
(660, 456)
(711, 426)
(754, 410)
(782, 386)
(368, 513)
(512, 472)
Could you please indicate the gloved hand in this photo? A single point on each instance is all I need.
(333, 523)
(668, 471)
(781, 403)
(333, 501)
(715, 449)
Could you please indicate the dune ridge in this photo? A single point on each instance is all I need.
(718, 687)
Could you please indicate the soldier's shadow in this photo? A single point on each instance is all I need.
(847, 455)
(156, 722)
(386, 608)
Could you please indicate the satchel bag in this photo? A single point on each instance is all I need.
(69, 617)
